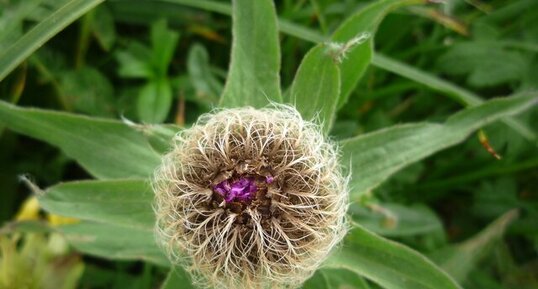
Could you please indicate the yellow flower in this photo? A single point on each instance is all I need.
(30, 211)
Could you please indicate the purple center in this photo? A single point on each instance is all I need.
(243, 190)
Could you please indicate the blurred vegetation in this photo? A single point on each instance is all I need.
(115, 59)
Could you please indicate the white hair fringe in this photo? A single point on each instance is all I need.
(276, 246)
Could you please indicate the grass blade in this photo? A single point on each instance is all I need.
(42, 32)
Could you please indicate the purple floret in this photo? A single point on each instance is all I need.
(242, 190)
(222, 188)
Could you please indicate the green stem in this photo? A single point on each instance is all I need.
(84, 39)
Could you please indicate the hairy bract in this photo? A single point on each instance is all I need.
(250, 198)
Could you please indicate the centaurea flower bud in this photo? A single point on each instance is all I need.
(250, 198)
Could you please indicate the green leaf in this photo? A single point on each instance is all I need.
(116, 202)
(177, 278)
(387, 263)
(461, 95)
(484, 63)
(316, 87)
(106, 148)
(395, 220)
(253, 77)
(114, 242)
(103, 27)
(316, 91)
(163, 43)
(133, 61)
(208, 88)
(90, 91)
(376, 156)
(42, 32)
(155, 101)
(461, 259)
(358, 57)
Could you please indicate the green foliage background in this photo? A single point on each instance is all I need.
(108, 74)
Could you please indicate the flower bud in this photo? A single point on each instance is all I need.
(250, 198)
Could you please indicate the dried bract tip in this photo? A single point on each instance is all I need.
(250, 198)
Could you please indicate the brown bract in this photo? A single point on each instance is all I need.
(278, 237)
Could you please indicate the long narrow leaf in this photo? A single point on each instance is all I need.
(376, 156)
(42, 32)
(117, 202)
(390, 264)
(253, 77)
(106, 148)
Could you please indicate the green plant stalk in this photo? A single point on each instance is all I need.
(319, 14)
(49, 76)
(84, 39)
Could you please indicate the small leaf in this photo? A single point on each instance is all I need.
(114, 242)
(106, 148)
(163, 43)
(89, 90)
(115, 202)
(177, 278)
(484, 63)
(133, 61)
(208, 88)
(316, 87)
(253, 77)
(357, 58)
(389, 264)
(376, 156)
(155, 101)
(42, 32)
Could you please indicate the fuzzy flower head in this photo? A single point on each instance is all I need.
(250, 198)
